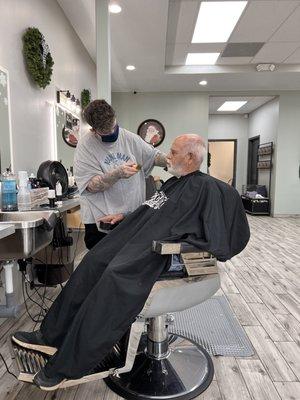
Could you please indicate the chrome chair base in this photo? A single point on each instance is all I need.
(185, 372)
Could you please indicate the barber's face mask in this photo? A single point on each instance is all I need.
(110, 137)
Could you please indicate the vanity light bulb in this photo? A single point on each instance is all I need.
(115, 8)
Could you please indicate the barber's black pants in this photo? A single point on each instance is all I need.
(92, 236)
(100, 301)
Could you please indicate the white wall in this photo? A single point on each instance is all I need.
(287, 186)
(178, 112)
(264, 122)
(232, 127)
(32, 127)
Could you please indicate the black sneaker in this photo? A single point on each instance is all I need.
(45, 383)
(34, 341)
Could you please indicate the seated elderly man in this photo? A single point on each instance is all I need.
(109, 288)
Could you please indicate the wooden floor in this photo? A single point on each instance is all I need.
(262, 286)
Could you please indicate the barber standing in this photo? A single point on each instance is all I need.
(110, 166)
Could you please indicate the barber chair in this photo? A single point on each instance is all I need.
(153, 364)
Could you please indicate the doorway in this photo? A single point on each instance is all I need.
(223, 160)
(252, 171)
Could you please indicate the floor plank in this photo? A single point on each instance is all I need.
(290, 352)
(271, 325)
(242, 310)
(288, 390)
(230, 379)
(257, 380)
(273, 361)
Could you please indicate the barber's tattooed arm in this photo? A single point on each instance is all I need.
(100, 183)
(160, 160)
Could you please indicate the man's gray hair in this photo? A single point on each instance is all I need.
(195, 145)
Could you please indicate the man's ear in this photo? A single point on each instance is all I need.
(190, 157)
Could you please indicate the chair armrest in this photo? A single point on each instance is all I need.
(164, 248)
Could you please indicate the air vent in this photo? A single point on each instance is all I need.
(242, 49)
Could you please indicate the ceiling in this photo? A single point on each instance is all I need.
(155, 36)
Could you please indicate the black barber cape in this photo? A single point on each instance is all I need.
(197, 209)
(111, 285)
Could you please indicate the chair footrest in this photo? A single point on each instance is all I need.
(27, 363)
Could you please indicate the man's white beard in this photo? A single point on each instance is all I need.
(174, 171)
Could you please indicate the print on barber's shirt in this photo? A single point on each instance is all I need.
(116, 159)
(157, 200)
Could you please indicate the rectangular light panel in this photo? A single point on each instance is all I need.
(201, 58)
(216, 20)
(231, 105)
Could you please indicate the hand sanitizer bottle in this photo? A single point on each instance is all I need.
(9, 191)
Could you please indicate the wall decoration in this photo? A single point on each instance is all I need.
(85, 98)
(70, 131)
(37, 56)
(66, 136)
(152, 132)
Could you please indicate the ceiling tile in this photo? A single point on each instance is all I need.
(294, 58)
(275, 52)
(289, 30)
(261, 19)
(234, 60)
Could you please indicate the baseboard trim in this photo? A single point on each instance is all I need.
(286, 215)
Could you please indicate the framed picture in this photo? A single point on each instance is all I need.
(152, 131)
(70, 131)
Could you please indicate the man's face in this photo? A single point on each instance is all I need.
(177, 158)
(100, 133)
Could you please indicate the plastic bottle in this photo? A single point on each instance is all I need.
(70, 178)
(24, 200)
(58, 190)
(9, 191)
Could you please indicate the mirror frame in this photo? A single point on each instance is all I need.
(9, 120)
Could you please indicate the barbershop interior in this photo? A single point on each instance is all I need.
(150, 199)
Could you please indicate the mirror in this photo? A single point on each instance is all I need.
(5, 123)
(67, 135)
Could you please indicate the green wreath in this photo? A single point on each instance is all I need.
(37, 56)
(85, 98)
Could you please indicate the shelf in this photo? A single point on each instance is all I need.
(266, 164)
(265, 149)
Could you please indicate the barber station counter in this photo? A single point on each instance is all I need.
(6, 230)
(67, 205)
(65, 246)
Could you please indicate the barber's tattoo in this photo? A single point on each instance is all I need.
(100, 183)
(160, 160)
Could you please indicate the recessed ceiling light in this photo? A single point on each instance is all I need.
(216, 20)
(114, 8)
(130, 67)
(201, 58)
(203, 83)
(232, 105)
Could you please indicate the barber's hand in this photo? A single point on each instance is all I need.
(111, 219)
(127, 170)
